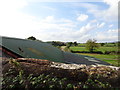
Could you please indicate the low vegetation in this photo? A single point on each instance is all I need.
(107, 54)
(47, 82)
(23, 75)
(112, 59)
(102, 49)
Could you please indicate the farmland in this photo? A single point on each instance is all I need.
(102, 49)
(110, 58)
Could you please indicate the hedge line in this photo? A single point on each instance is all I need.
(97, 52)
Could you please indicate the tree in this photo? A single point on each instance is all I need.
(69, 44)
(102, 44)
(31, 38)
(91, 45)
(75, 44)
(58, 43)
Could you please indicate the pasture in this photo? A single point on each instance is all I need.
(110, 58)
(103, 49)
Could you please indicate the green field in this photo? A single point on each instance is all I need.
(103, 49)
(110, 58)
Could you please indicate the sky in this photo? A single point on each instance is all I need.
(65, 20)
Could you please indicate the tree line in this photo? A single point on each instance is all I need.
(90, 44)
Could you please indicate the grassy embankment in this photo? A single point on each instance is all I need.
(110, 58)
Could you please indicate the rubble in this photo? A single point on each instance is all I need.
(67, 66)
(81, 66)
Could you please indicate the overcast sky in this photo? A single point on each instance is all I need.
(68, 20)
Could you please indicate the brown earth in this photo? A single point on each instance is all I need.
(38, 66)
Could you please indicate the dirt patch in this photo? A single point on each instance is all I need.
(79, 73)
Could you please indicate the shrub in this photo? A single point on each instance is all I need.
(111, 52)
(97, 52)
(107, 52)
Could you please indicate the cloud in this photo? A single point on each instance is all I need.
(49, 19)
(80, 35)
(111, 25)
(108, 35)
(109, 14)
(82, 17)
(86, 29)
(12, 4)
(21, 25)
(101, 25)
(49, 8)
(65, 0)
(112, 31)
(111, 2)
(14, 23)
(112, 11)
